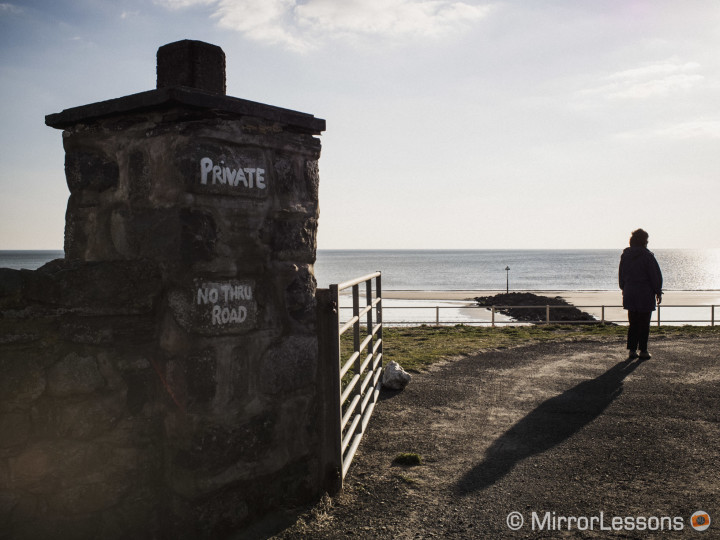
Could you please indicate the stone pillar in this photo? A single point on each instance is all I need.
(220, 194)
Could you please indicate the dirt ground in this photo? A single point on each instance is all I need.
(551, 431)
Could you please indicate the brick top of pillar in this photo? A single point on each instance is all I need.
(190, 74)
(194, 64)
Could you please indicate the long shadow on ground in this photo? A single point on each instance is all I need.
(552, 422)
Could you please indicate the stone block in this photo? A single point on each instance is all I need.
(140, 390)
(78, 223)
(135, 516)
(22, 382)
(87, 498)
(198, 236)
(8, 501)
(73, 375)
(139, 179)
(312, 178)
(193, 379)
(10, 282)
(25, 329)
(116, 330)
(65, 528)
(297, 181)
(146, 233)
(294, 237)
(48, 466)
(92, 171)
(300, 295)
(80, 419)
(15, 429)
(31, 467)
(289, 365)
(214, 447)
(117, 287)
(190, 63)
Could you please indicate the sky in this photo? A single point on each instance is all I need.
(451, 124)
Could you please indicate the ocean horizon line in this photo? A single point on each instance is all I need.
(61, 250)
(387, 289)
(519, 249)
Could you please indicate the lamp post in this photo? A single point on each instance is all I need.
(507, 280)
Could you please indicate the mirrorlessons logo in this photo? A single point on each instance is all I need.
(700, 520)
(550, 521)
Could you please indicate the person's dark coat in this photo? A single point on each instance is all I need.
(640, 279)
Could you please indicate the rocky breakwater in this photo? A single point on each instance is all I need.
(516, 304)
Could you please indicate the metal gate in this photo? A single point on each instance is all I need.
(354, 367)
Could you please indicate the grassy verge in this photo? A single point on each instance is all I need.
(415, 348)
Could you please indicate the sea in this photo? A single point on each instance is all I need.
(444, 270)
(485, 270)
(526, 269)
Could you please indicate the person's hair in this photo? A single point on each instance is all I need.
(639, 238)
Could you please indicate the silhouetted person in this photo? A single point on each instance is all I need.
(641, 284)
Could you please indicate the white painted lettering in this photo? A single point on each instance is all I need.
(213, 294)
(202, 296)
(249, 177)
(229, 176)
(217, 175)
(222, 300)
(250, 172)
(205, 295)
(206, 166)
(241, 178)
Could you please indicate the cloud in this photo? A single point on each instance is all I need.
(424, 18)
(10, 8)
(692, 129)
(653, 80)
(300, 25)
(181, 4)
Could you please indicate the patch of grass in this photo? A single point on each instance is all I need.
(417, 347)
(409, 459)
(406, 479)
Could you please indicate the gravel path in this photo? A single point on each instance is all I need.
(558, 430)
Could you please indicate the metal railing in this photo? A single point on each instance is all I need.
(494, 310)
(355, 371)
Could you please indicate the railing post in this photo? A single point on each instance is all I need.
(437, 315)
(658, 321)
(712, 315)
(378, 314)
(368, 302)
(356, 347)
(602, 315)
(493, 316)
(547, 314)
(330, 469)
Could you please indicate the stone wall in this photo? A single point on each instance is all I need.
(161, 380)
(81, 441)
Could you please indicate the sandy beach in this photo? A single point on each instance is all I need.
(577, 298)
(678, 307)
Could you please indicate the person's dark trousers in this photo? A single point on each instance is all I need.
(639, 330)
